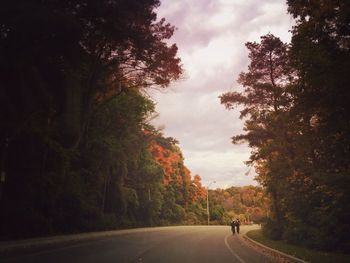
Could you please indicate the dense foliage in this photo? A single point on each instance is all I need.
(74, 151)
(77, 150)
(248, 203)
(295, 102)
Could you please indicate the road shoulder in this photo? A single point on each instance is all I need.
(278, 256)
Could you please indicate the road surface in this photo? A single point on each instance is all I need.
(204, 244)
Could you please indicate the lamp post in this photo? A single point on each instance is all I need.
(213, 182)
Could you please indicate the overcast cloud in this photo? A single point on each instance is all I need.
(211, 36)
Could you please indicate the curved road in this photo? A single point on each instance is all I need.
(204, 244)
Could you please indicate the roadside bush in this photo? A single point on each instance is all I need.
(318, 239)
(295, 233)
(191, 219)
(299, 233)
(108, 222)
(273, 230)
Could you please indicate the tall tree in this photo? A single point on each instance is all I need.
(266, 99)
(80, 49)
(321, 57)
(61, 61)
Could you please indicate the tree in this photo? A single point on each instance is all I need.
(65, 66)
(81, 50)
(247, 203)
(320, 55)
(298, 125)
(267, 99)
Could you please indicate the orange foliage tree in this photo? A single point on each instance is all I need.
(181, 191)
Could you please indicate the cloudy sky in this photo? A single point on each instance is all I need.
(210, 37)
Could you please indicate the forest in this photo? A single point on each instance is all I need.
(295, 103)
(74, 130)
(78, 152)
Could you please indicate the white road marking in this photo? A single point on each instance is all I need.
(231, 250)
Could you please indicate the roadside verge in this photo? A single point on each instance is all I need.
(275, 252)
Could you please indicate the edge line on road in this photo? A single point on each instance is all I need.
(231, 250)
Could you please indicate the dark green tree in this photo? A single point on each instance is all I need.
(321, 57)
(266, 101)
(62, 64)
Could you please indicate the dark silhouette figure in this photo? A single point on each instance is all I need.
(233, 226)
(237, 224)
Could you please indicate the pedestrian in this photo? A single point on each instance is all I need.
(233, 226)
(237, 223)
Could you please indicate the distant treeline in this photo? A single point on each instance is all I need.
(296, 105)
(248, 203)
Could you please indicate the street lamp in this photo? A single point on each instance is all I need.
(213, 182)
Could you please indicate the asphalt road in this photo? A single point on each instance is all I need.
(166, 245)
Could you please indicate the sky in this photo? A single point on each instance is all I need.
(211, 37)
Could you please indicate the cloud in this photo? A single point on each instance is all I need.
(211, 36)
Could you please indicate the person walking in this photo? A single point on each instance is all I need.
(233, 226)
(238, 224)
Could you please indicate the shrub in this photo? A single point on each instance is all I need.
(272, 229)
(191, 219)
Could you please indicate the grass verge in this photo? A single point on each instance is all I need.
(297, 251)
